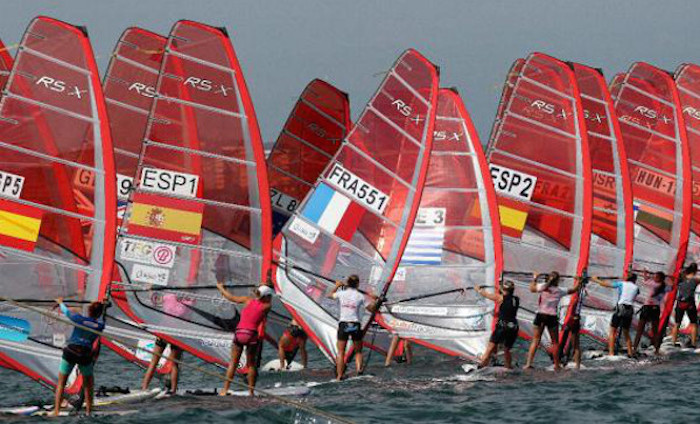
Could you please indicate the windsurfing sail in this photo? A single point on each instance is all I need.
(658, 157)
(201, 203)
(455, 245)
(5, 65)
(688, 82)
(540, 165)
(53, 129)
(129, 89)
(359, 215)
(612, 226)
(312, 134)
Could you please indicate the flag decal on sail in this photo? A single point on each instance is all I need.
(424, 246)
(512, 220)
(14, 329)
(653, 218)
(166, 218)
(19, 225)
(334, 212)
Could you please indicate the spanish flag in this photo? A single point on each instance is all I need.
(19, 225)
(166, 218)
(512, 220)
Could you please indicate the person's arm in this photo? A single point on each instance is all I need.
(302, 352)
(533, 283)
(490, 296)
(338, 284)
(66, 310)
(227, 295)
(577, 285)
(603, 283)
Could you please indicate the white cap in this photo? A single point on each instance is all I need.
(265, 291)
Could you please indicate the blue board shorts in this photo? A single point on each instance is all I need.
(67, 367)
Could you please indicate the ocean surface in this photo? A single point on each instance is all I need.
(433, 389)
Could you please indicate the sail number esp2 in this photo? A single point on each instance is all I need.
(358, 189)
(512, 183)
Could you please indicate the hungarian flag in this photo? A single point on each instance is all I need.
(19, 225)
(166, 218)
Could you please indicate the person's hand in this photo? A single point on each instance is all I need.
(535, 275)
(339, 284)
(59, 300)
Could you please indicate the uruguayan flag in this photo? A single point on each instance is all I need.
(424, 246)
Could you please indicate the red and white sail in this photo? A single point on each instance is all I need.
(53, 131)
(613, 220)
(540, 165)
(658, 157)
(454, 247)
(310, 138)
(201, 206)
(129, 89)
(359, 216)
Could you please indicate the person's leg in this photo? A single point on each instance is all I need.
(251, 353)
(282, 355)
(508, 357)
(340, 360)
(174, 358)
(89, 389)
(155, 358)
(611, 340)
(674, 329)
(554, 335)
(628, 341)
(694, 334)
(654, 335)
(486, 359)
(357, 347)
(236, 351)
(408, 352)
(641, 326)
(577, 349)
(392, 350)
(534, 344)
(60, 387)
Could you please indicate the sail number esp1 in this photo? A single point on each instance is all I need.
(358, 189)
(512, 183)
(11, 185)
(169, 182)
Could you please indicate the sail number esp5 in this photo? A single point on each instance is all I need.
(358, 189)
(11, 185)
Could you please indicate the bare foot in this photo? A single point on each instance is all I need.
(223, 393)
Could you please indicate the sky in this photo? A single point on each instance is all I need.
(282, 45)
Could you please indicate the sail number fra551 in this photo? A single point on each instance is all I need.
(358, 189)
(512, 183)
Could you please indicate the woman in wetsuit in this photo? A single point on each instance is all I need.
(80, 350)
(506, 330)
(253, 317)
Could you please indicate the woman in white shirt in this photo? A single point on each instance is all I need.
(352, 306)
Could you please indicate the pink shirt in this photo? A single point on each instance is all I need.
(252, 315)
(549, 299)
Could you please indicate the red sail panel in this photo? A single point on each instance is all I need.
(202, 147)
(658, 156)
(310, 138)
(612, 237)
(455, 245)
(5, 65)
(381, 168)
(540, 165)
(53, 130)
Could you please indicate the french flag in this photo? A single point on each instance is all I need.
(333, 211)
